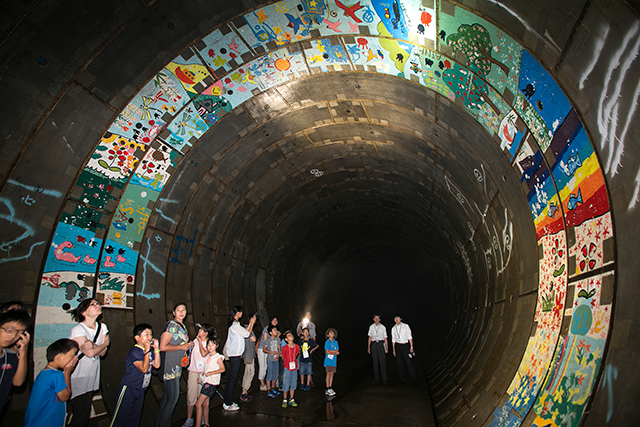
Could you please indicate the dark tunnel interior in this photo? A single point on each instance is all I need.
(357, 158)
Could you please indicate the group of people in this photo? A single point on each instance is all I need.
(402, 346)
(63, 390)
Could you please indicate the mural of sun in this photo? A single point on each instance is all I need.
(282, 64)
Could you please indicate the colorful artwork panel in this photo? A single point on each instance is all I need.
(211, 105)
(65, 290)
(188, 75)
(578, 177)
(188, 124)
(589, 247)
(96, 189)
(73, 249)
(549, 314)
(143, 118)
(369, 52)
(153, 170)
(117, 258)
(132, 214)
(273, 69)
(327, 54)
(495, 55)
(283, 22)
(509, 134)
(543, 94)
(575, 366)
(223, 50)
(83, 217)
(115, 157)
(115, 290)
(490, 113)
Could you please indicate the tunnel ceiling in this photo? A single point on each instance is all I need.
(263, 153)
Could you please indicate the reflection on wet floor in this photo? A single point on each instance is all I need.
(357, 402)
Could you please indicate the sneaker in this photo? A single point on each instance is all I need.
(331, 392)
(293, 403)
(276, 392)
(263, 388)
(327, 392)
(284, 403)
(232, 407)
(188, 423)
(270, 394)
(245, 398)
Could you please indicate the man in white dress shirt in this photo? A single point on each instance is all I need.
(378, 349)
(402, 346)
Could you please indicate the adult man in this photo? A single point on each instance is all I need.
(307, 323)
(402, 346)
(378, 348)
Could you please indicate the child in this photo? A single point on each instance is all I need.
(272, 348)
(331, 350)
(140, 358)
(307, 347)
(290, 355)
(213, 367)
(13, 364)
(196, 368)
(52, 388)
(248, 357)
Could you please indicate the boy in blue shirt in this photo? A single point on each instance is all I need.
(52, 387)
(331, 352)
(140, 358)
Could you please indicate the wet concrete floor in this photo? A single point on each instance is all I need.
(358, 402)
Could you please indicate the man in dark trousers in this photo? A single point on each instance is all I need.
(402, 346)
(378, 349)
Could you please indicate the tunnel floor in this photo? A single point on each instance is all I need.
(358, 402)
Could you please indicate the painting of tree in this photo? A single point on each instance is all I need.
(474, 42)
(470, 88)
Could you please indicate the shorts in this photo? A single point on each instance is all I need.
(289, 380)
(193, 388)
(208, 389)
(331, 369)
(273, 370)
(306, 369)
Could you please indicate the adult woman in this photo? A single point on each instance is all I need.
(93, 339)
(262, 356)
(174, 342)
(234, 350)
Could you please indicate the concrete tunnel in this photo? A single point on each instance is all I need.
(470, 165)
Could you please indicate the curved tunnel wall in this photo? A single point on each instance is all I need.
(314, 148)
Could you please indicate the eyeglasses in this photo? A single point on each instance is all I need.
(95, 303)
(12, 331)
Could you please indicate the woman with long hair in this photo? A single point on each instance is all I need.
(235, 348)
(93, 339)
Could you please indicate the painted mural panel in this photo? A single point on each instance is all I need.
(211, 104)
(509, 134)
(96, 189)
(153, 170)
(495, 56)
(590, 238)
(223, 51)
(187, 125)
(543, 198)
(142, 119)
(115, 157)
(575, 366)
(549, 314)
(189, 74)
(115, 290)
(73, 249)
(577, 173)
(327, 54)
(132, 214)
(540, 101)
(84, 217)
